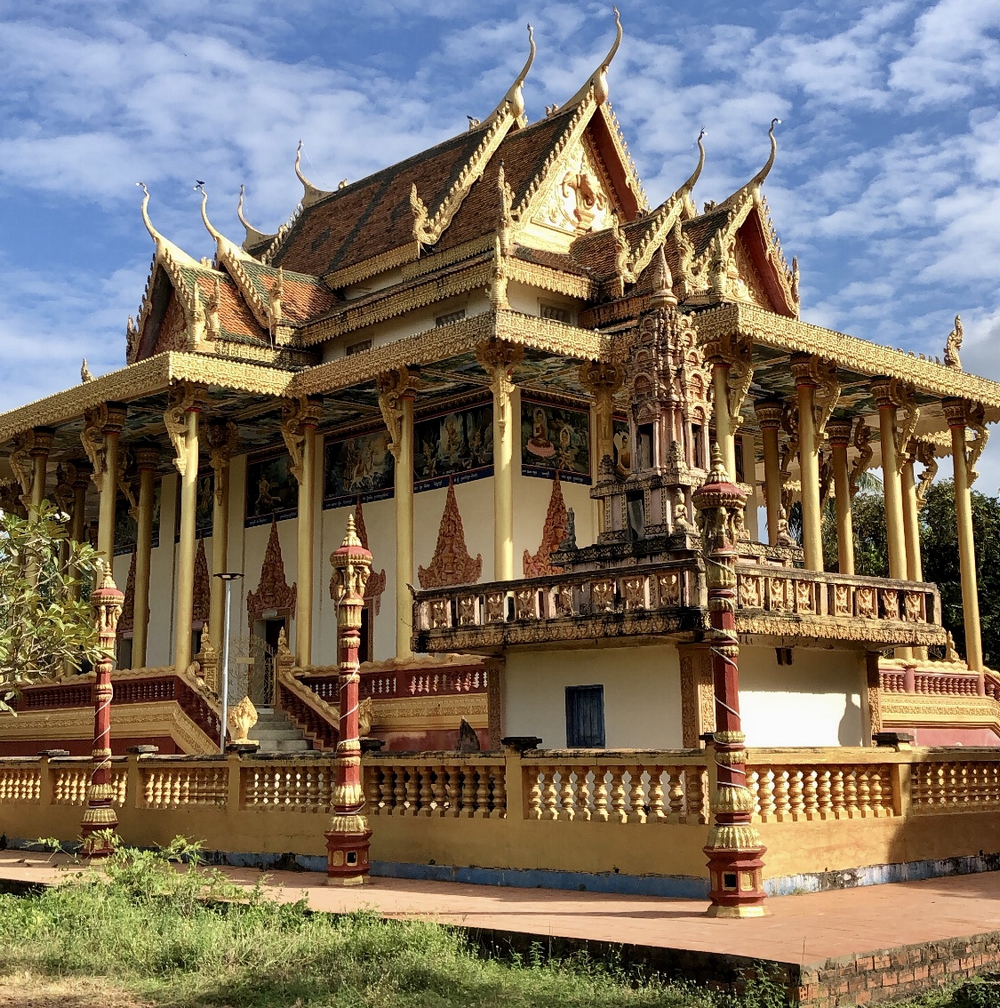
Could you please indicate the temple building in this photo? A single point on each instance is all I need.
(512, 371)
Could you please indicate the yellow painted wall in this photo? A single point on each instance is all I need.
(815, 701)
(475, 504)
(642, 701)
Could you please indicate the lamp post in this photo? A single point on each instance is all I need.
(99, 819)
(227, 578)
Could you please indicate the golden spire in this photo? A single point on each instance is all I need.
(685, 190)
(514, 98)
(163, 246)
(763, 173)
(310, 193)
(222, 243)
(254, 237)
(599, 78)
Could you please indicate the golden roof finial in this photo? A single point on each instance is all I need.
(763, 173)
(599, 78)
(663, 283)
(514, 98)
(85, 373)
(310, 193)
(163, 246)
(216, 237)
(253, 236)
(685, 190)
(351, 533)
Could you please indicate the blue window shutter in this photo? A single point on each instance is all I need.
(585, 717)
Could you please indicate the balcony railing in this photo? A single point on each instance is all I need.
(670, 598)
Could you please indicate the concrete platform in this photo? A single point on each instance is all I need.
(854, 946)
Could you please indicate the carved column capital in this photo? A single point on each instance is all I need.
(839, 432)
(41, 442)
(804, 368)
(146, 457)
(601, 378)
(955, 412)
(884, 392)
(770, 413)
(499, 359)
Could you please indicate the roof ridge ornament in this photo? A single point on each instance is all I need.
(690, 210)
(513, 101)
(310, 193)
(253, 237)
(165, 249)
(753, 186)
(597, 84)
(223, 246)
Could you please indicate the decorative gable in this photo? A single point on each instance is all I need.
(578, 197)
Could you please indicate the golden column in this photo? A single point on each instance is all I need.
(884, 392)
(300, 418)
(803, 368)
(720, 406)
(911, 523)
(602, 381)
(41, 446)
(82, 474)
(181, 421)
(769, 414)
(102, 427)
(499, 360)
(396, 390)
(147, 457)
(223, 439)
(955, 410)
(839, 433)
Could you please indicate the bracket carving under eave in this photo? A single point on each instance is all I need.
(184, 398)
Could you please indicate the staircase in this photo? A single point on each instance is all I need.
(276, 733)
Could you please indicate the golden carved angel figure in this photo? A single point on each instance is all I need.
(953, 345)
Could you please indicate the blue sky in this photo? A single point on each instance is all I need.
(887, 185)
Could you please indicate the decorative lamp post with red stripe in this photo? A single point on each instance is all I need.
(347, 840)
(100, 820)
(734, 846)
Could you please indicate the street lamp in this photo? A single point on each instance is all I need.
(227, 578)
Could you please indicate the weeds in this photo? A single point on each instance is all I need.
(188, 938)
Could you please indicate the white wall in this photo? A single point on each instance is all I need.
(815, 701)
(642, 697)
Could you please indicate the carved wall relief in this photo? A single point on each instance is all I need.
(451, 564)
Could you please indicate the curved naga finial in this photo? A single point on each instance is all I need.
(685, 190)
(153, 233)
(310, 193)
(164, 247)
(253, 236)
(209, 227)
(514, 98)
(599, 78)
(953, 345)
(763, 173)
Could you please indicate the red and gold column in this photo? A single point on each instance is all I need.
(734, 847)
(100, 820)
(347, 840)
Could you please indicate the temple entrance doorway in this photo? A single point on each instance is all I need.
(265, 648)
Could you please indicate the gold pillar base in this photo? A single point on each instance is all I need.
(737, 911)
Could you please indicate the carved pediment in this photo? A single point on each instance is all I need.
(578, 197)
(273, 592)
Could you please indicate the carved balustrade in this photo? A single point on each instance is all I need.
(131, 686)
(443, 785)
(289, 785)
(601, 786)
(666, 598)
(944, 681)
(966, 785)
(394, 684)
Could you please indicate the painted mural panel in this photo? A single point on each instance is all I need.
(356, 468)
(456, 446)
(555, 439)
(272, 491)
(127, 528)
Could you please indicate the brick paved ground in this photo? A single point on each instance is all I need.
(885, 940)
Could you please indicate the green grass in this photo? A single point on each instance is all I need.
(189, 939)
(148, 928)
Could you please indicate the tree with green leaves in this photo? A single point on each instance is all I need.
(938, 550)
(46, 624)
